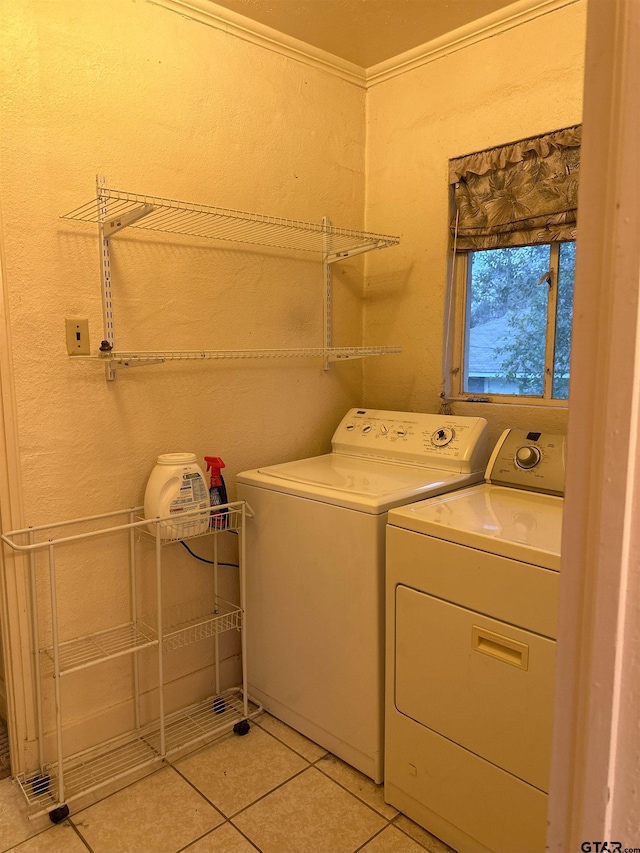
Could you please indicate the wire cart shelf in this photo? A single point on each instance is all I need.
(54, 784)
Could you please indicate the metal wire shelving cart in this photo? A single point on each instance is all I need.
(55, 783)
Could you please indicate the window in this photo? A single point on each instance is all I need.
(513, 222)
(515, 328)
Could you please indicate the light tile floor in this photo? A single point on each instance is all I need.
(271, 791)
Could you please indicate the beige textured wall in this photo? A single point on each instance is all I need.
(164, 105)
(524, 81)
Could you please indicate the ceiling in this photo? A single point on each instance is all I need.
(364, 32)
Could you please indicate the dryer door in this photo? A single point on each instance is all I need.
(482, 683)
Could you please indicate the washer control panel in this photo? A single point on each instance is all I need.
(438, 441)
(529, 460)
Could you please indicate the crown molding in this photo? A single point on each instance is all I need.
(210, 13)
(483, 28)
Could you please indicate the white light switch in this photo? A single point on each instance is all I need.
(77, 330)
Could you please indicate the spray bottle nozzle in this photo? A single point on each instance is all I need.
(214, 464)
(217, 493)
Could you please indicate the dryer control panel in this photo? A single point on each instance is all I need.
(529, 460)
(449, 442)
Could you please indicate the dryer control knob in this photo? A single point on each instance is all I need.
(528, 456)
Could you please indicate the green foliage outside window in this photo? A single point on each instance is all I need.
(507, 305)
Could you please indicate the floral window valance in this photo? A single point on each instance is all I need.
(518, 194)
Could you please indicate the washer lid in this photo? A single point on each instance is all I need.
(525, 526)
(361, 484)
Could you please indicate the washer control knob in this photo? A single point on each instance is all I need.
(366, 428)
(527, 456)
(441, 437)
(383, 429)
(401, 432)
(350, 427)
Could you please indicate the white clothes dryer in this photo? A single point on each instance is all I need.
(472, 590)
(314, 610)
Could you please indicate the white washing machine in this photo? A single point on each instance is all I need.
(472, 591)
(315, 569)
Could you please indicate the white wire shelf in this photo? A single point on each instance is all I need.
(86, 772)
(192, 621)
(184, 623)
(202, 721)
(116, 209)
(92, 649)
(46, 536)
(195, 523)
(93, 769)
(133, 359)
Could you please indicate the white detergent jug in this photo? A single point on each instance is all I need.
(176, 486)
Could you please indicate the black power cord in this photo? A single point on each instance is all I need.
(209, 562)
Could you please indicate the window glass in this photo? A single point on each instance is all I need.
(506, 320)
(564, 313)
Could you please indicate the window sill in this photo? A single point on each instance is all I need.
(508, 400)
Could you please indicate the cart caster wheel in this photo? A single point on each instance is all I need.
(219, 705)
(40, 785)
(241, 728)
(59, 814)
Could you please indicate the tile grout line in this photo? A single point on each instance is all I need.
(312, 765)
(198, 791)
(292, 748)
(389, 821)
(80, 835)
(71, 819)
(229, 818)
(404, 832)
(157, 769)
(215, 829)
(268, 793)
(353, 794)
(369, 840)
(315, 763)
(46, 829)
(166, 763)
(252, 843)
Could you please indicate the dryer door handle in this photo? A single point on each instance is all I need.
(500, 647)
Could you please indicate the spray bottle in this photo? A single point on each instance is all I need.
(217, 492)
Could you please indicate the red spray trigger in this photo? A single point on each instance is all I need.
(214, 464)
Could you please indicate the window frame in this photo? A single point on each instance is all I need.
(460, 322)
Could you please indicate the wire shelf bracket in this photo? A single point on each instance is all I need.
(115, 210)
(112, 226)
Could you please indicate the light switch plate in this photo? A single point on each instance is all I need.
(77, 330)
